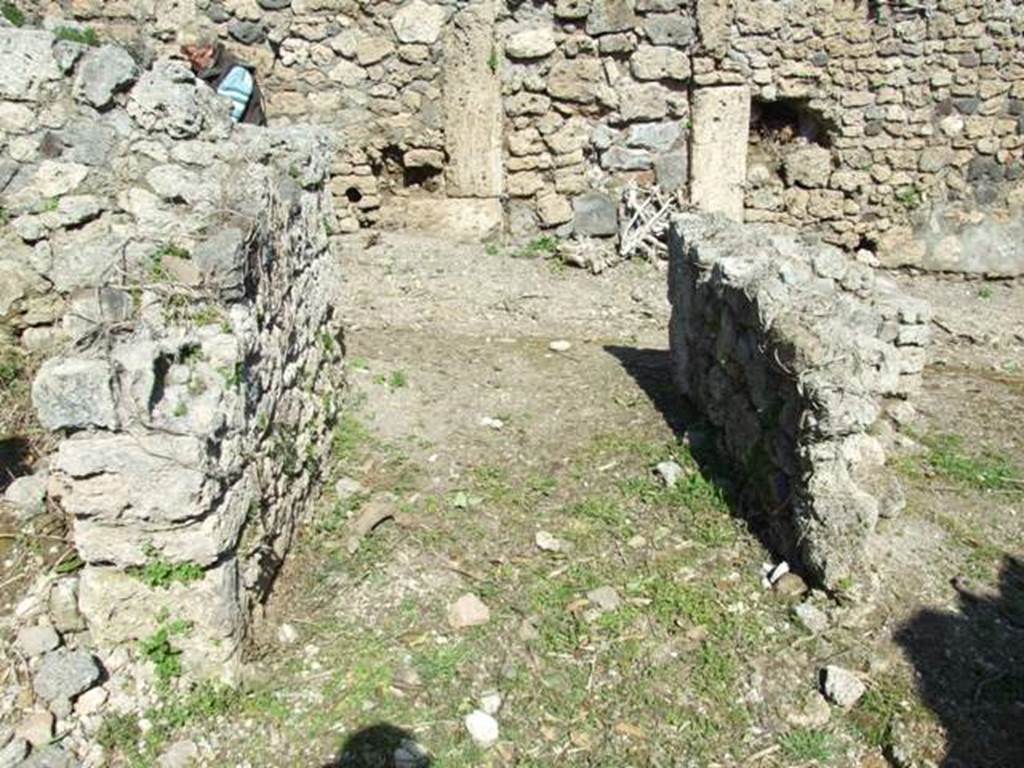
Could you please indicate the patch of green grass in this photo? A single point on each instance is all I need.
(5, 217)
(209, 314)
(11, 367)
(13, 14)
(440, 663)
(877, 712)
(985, 292)
(159, 573)
(158, 272)
(350, 436)
(543, 246)
(83, 35)
(715, 673)
(947, 457)
(398, 380)
(181, 409)
(601, 510)
(806, 744)
(120, 734)
(672, 601)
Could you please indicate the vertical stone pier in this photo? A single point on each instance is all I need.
(718, 164)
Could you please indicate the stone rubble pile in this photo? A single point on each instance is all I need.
(793, 352)
(177, 270)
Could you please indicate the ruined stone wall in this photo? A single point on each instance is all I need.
(177, 270)
(793, 352)
(369, 73)
(866, 120)
(893, 126)
(908, 116)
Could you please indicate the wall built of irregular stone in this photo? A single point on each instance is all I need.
(177, 270)
(792, 352)
(890, 125)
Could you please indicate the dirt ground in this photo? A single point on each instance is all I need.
(468, 435)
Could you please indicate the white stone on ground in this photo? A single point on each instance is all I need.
(468, 611)
(841, 686)
(547, 543)
(483, 728)
(181, 754)
(287, 635)
(560, 345)
(490, 702)
(670, 473)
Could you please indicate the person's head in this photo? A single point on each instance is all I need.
(199, 47)
(200, 55)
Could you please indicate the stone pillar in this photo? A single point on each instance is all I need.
(718, 162)
(472, 104)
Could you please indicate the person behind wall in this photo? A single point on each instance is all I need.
(229, 77)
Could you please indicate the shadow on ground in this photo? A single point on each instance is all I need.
(381, 746)
(970, 670)
(15, 460)
(651, 369)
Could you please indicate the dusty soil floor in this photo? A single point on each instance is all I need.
(469, 435)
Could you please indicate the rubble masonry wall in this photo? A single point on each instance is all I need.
(895, 126)
(177, 270)
(793, 352)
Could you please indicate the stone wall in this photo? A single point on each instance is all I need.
(177, 269)
(793, 352)
(896, 127)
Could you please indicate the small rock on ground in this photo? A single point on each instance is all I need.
(468, 611)
(28, 495)
(605, 598)
(36, 728)
(490, 702)
(670, 473)
(63, 674)
(181, 754)
(483, 729)
(91, 701)
(50, 756)
(348, 487)
(547, 543)
(287, 634)
(789, 586)
(811, 617)
(410, 754)
(13, 753)
(841, 686)
(35, 641)
(560, 345)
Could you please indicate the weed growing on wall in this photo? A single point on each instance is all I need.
(13, 14)
(159, 573)
(83, 36)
